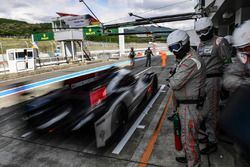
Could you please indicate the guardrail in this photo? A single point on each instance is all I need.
(108, 53)
(58, 60)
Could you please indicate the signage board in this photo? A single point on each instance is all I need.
(91, 31)
(46, 36)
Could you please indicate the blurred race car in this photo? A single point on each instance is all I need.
(105, 99)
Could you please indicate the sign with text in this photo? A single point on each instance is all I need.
(46, 36)
(91, 31)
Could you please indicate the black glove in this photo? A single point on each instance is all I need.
(172, 71)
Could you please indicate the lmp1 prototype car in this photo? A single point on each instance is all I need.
(105, 99)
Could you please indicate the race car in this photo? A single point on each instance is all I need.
(106, 99)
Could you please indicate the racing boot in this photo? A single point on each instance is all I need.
(181, 159)
(210, 148)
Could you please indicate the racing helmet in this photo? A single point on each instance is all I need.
(241, 35)
(178, 43)
(204, 28)
(241, 40)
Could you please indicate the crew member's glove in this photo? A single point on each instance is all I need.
(172, 71)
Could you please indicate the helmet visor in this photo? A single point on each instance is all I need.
(204, 31)
(175, 47)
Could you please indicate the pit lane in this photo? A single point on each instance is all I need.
(22, 147)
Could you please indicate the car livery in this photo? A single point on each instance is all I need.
(106, 99)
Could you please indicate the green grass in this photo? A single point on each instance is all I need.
(49, 46)
(10, 43)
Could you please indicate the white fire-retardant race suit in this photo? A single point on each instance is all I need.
(215, 53)
(236, 75)
(188, 84)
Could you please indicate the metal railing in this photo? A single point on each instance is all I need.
(40, 62)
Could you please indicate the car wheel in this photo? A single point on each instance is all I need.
(119, 117)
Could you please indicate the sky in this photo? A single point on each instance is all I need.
(108, 11)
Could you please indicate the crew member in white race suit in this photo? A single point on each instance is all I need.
(238, 73)
(188, 85)
(215, 51)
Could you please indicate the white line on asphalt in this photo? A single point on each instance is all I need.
(143, 71)
(27, 134)
(141, 127)
(128, 135)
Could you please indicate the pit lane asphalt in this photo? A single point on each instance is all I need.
(18, 147)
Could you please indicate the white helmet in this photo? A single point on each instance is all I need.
(202, 23)
(204, 28)
(177, 37)
(178, 43)
(241, 36)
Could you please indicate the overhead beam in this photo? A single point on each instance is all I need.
(137, 33)
(160, 19)
(170, 16)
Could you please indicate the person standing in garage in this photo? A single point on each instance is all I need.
(238, 73)
(148, 54)
(132, 57)
(188, 85)
(215, 52)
